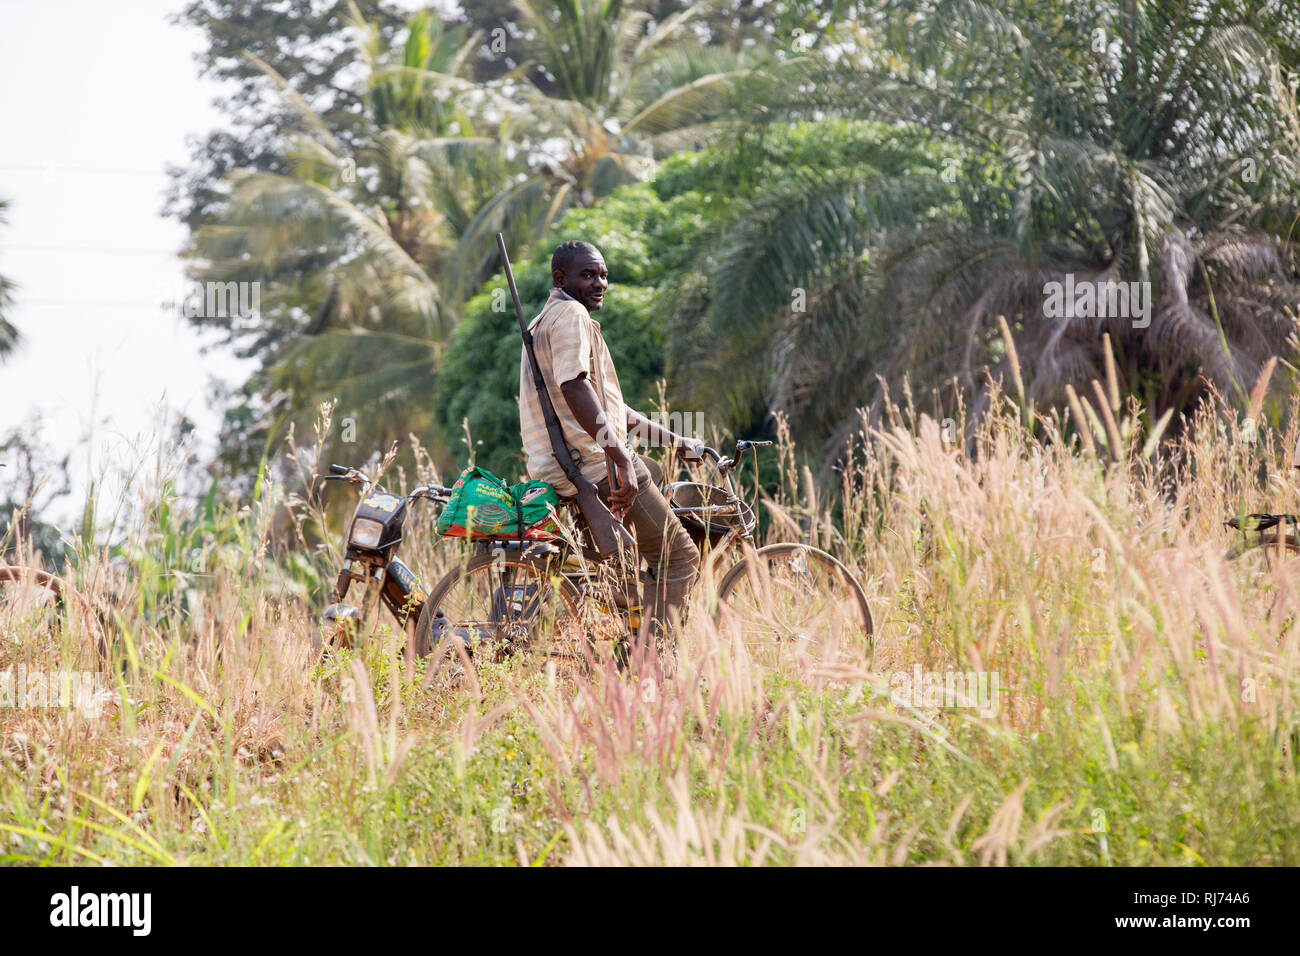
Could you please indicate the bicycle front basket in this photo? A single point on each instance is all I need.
(709, 511)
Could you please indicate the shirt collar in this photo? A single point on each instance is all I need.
(565, 295)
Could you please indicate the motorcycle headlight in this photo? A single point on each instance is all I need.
(366, 532)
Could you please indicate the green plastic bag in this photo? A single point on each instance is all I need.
(484, 506)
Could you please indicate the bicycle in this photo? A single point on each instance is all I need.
(782, 593)
(549, 598)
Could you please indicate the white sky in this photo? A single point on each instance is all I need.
(95, 99)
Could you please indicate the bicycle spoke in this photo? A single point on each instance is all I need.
(793, 599)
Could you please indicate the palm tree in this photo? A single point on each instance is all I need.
(365, 260)
(1103, 140)
(359, 257)
(612, 91)
(9, 337)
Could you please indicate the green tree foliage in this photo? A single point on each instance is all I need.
(365, 249)
(614, 89)
(874, 183)
(360, 254)
(776, 180)
(657, 240)
(512, 46)
(33, 479)
(306, 41)
(1125, 141)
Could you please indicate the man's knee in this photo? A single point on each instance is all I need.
(685, 554)
(681, 560)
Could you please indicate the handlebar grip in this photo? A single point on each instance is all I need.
(339, 469)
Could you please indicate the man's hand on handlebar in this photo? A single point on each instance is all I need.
(690, 449)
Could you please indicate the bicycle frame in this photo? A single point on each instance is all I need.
(723, 468)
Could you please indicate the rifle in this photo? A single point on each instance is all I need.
(607, 532)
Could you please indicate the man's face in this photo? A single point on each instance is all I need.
(586, 280)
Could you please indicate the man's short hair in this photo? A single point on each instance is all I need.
(566, 252)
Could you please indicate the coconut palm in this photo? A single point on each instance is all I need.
(612, 90)
(1136, 140)
(359, 256)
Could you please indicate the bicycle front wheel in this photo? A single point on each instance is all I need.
(789, 595)
(502, 606)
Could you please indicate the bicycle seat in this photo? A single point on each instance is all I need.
(1260, 522)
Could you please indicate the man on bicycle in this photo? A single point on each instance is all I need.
(572, 356)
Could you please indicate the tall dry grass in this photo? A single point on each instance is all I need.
(1146, 709)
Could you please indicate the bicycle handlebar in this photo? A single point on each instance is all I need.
(742, 446)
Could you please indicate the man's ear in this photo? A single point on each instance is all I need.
(557, 277)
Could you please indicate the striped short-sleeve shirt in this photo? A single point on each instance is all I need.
(568, 345)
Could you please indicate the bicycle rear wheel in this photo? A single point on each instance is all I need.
(501, 606)
(791, 596)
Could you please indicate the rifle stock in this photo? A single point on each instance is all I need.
(607, 532)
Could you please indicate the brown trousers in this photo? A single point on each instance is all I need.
(673, 558)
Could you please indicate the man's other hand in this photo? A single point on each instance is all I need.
(622, 477)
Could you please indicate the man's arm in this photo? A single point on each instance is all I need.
(586, 409)
(659, 437)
